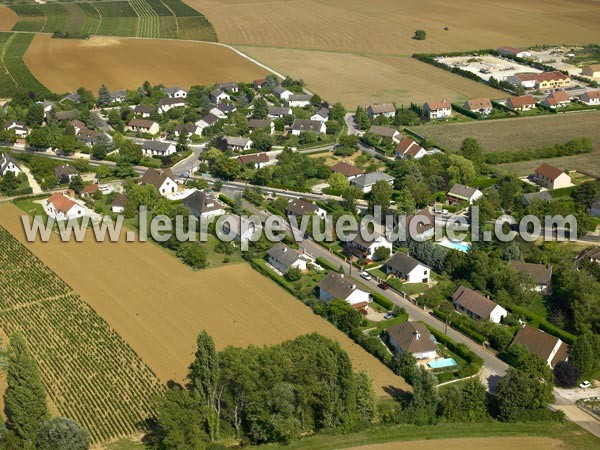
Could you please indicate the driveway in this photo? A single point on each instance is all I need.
(35, 187)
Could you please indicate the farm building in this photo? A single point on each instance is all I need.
(257, 160)
(460, 192)
(557, 99)
(522, 103)
(348, 170)
(479, 106)
(366, 181)
(511, 51)
(158, 148)
(550, 348)
(162, 179)
(203, 205)
(307, 125)
(590, 98)
(383, 109)
(407, 269)
(237, 144)
(437, 110)
(477, 306)
(544, 80)
(414, 338)
(7, 164)
(284, 258)
(365, 248)
(592, 71)
(407, 149)
(541, 274)
(551, 178)
(299, 207)
(143, 126)
(386, 132)
(335, 285)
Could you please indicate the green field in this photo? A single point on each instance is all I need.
(171, 19)
(13, 71)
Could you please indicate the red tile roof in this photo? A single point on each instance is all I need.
(60, 202)
(548, 171)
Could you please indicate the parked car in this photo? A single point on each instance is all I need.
(389, 315)
(383, 286)
(586, 384)
(366, 275)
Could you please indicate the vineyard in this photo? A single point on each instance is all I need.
(137, 18)
(13, 71)
(88, 371)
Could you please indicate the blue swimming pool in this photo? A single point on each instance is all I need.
(442, 363)
(460, 246)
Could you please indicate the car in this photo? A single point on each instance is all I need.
(586, 384)
(389, 315)
(366, 275)
(383, 286)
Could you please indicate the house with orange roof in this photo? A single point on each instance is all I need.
(437, 110)
(407, 149)
(521, 103)
(552, 178)
(557, 99)
(63, 207)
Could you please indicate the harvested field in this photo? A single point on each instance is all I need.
(517, 133)
(588, 163)
(66, 64)
(8, 18)
(530, 443)
(158, 305)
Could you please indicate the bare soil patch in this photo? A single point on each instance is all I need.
(8, 18)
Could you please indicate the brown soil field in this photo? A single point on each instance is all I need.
(158, 305)
(530, 443)
(516, 133)
(66, 64)
(8, 18)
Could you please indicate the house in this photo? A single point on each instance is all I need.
(203, 205)
(63, 207)
(306, 125)
(437, 110)
(144, 110)
(162, 179)
(407, 148)
(366, 181)
(551, 178)
(158, 148)
(77, 125)
(175, 92)
(522, 103)
(419, 226)
(7, 164)
(383, 109)
(592, 71)
(348, 170)
(65, 174)
(511, 51)
(542, 80)
(543, 196)
(595, 208)
(72, 97)
(207, 121)
(257, 160)
(414, 338)
(590, 98)
(87, 136)
(218, 96)
(282, 93)
(143, 126)
(335, 285)
(279, 112)
(237, 144)
(65, 115)
(299, 100)
(541, 274)
(118, 204)
(231, 87)
(479, 106)
(386, 132)
(363, 248)
(118, 96)
(591, 255)
(260, 124)
(550, 348)
(321, 115)
(20, 129)
(557, 99)
(283, 258)
(89, 191)
(259, 84)
(460, 192)
(407, 269)
(477, 306)
(166, 104)
(190, 128)
(240, 228)
(299, 207)
(222, 110)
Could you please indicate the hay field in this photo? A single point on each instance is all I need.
(587, 162)
(8, 18)
(66, 64)
(516, 133)
(530, 443)
(158, 305)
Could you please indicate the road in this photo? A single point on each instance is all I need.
(353, 130)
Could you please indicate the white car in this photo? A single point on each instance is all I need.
(366, 275)
(585, 385)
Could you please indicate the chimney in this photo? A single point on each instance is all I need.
(417, 335)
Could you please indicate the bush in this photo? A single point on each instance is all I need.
(566, 374)
(382, 301)
(420, 35)
(573, 147)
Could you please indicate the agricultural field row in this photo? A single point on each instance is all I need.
(135, 18)
(88, 370)
(14, 73)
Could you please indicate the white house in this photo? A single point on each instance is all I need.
(365, 248)
(166, 104)
(437, 110)
(190, 128)
(299, 100)
(477, 306)
(207, 121)
(218, 96)
(237, 144)
(222, 110)
(590, 98)
(335, 285)
(551, 349)
(551, 178)
(284, 258)
(203, 205)
(414, 338)
(143, 126)
(386, 132)
(407, 148)
(348, 170)
(419, 226)
(63, 207)
(118, 204)
(366, 181)
(144, 110)
(240, 228)
(162, 179)
(20, 129)
(540, 274)
(282, 93)
(7, 164)
(322, 115)
(313, 126)
(298, 207)
(118, 96)
(460, 192)
(175, 92)
(158, 148)
(479, 106)
(383, 109)
(521, 103)
(257, 160)
(557, 99)
(279, 112)
(407, 269)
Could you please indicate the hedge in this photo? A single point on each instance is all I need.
(382, 301)
(326, 264)
(543, 324)
(572, 147)
(226, 200)
(259, 265)
(477, 337)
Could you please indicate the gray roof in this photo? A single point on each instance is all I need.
(65, 171)
(369, 179)
(87, 135)
(5, 160)
(299, 207)
(216, 92)
(323, 112)
(226, 108)
(462, 191)
(120, 200)
(285, 255)
(171, 101)
(202, 202)
(172, 90)
(383, 131)
(473, 301)
(279, 111)
(229, 85)
(543, 196)
(383, 108)
(300, 98)
(157, 146)
(117, 94)
(156, 177)
(307, 125)
(141, 123)
(412, 337)
(210, 119)
(65, 115)
(401, 263)
(337, 286)
(236, 141)
(145, 109)
(259, 123)
(540, 273)
(72, 96)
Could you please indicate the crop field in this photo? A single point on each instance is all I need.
(88, 371)
(133, 18)
(159, 305)
(530, 443)
(588, 163)
(13, 71)
(100, 60)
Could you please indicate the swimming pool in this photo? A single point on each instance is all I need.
(442, 363)
(460, 246)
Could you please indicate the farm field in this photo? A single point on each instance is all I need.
(8, 18)
(531, 443)
(516, 133)
(13, 71)
(159, 305)
(587, 162)
(89, 372)
(99, 60)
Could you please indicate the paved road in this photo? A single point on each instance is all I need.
(353, 130)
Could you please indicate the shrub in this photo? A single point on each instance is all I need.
(420, 35)
(566, 374)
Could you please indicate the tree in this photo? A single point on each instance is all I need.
(182, 140)
(337, 112)
(24, 398)
(35, 115)
(67, 143)
(380, 195)
(365, 397)
(381, 254)
(261, 108)
(86, 97)
(293, 274)
(566, 374)
(586, 193)
(140, 195)
(315, 100)
(8, 183)
(338, 181)
(130, 152)
(261, 140)
(500, 337)
(98, 151)
(425, 398)
(76, 184)
(104, 97)
(349, 197)
(193, 254)
(471, 150)
(420, 35)
(474, 400)
(39, 138)
(62, 434)
(581, 354)
(361, 119)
